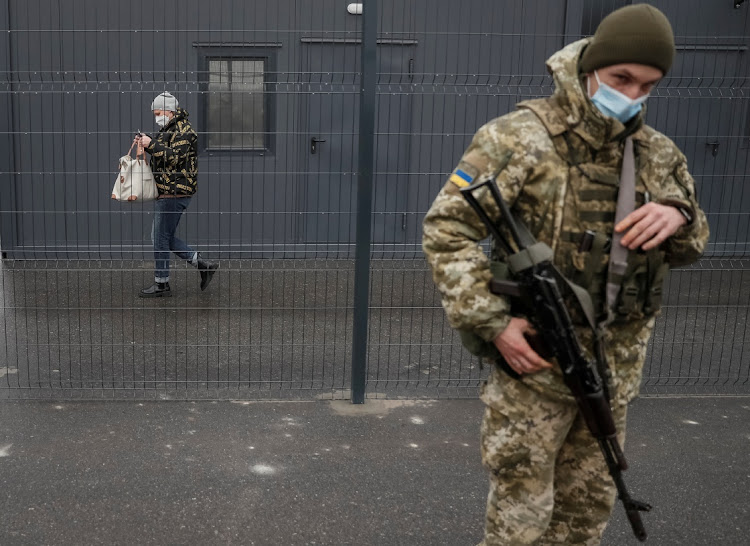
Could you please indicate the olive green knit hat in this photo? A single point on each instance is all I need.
(634, 34)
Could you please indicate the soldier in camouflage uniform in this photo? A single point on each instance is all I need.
(174, 162)
(557, 163)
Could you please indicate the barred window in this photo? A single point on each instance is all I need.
(236, 106)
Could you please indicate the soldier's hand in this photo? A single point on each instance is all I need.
(516, 350)
(650, 225)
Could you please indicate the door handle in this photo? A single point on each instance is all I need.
(314, 144)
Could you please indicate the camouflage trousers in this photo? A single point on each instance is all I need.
(549, 483)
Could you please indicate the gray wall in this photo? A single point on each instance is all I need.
(77, 82)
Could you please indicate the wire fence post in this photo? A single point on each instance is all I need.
(7, 225)
(364, 199)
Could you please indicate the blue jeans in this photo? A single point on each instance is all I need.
(167, 214)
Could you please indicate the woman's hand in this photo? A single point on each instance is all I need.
(143, 140)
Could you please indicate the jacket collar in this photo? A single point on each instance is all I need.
(576, 109)
(179, 115)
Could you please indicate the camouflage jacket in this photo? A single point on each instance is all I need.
(174, 157)
(557, 163)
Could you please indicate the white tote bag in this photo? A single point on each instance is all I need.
(135, 182)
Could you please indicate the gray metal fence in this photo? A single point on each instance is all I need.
(274, 91)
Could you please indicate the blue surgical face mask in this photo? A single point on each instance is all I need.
(612, 103)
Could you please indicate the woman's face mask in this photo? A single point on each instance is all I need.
(612, 103)
(161, 121)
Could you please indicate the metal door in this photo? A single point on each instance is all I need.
(330, 145)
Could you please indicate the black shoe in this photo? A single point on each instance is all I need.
(156, 290)
(207, 270)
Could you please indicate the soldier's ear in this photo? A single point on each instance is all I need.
(588, 80)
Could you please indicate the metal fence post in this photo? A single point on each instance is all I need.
(7, 141)
(364, 199)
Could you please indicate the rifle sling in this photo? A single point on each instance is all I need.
(536, 253)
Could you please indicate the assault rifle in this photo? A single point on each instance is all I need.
(536, 282)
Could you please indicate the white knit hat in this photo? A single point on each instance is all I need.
(165, 101)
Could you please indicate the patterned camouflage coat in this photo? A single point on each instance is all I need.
(559, 161)
(174, 157)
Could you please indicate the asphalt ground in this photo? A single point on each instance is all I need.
(329, 472)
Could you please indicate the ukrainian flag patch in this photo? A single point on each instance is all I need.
(461, 178)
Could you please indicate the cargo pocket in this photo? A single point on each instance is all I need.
(631, 298)
(642, 285)
(589, 267)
